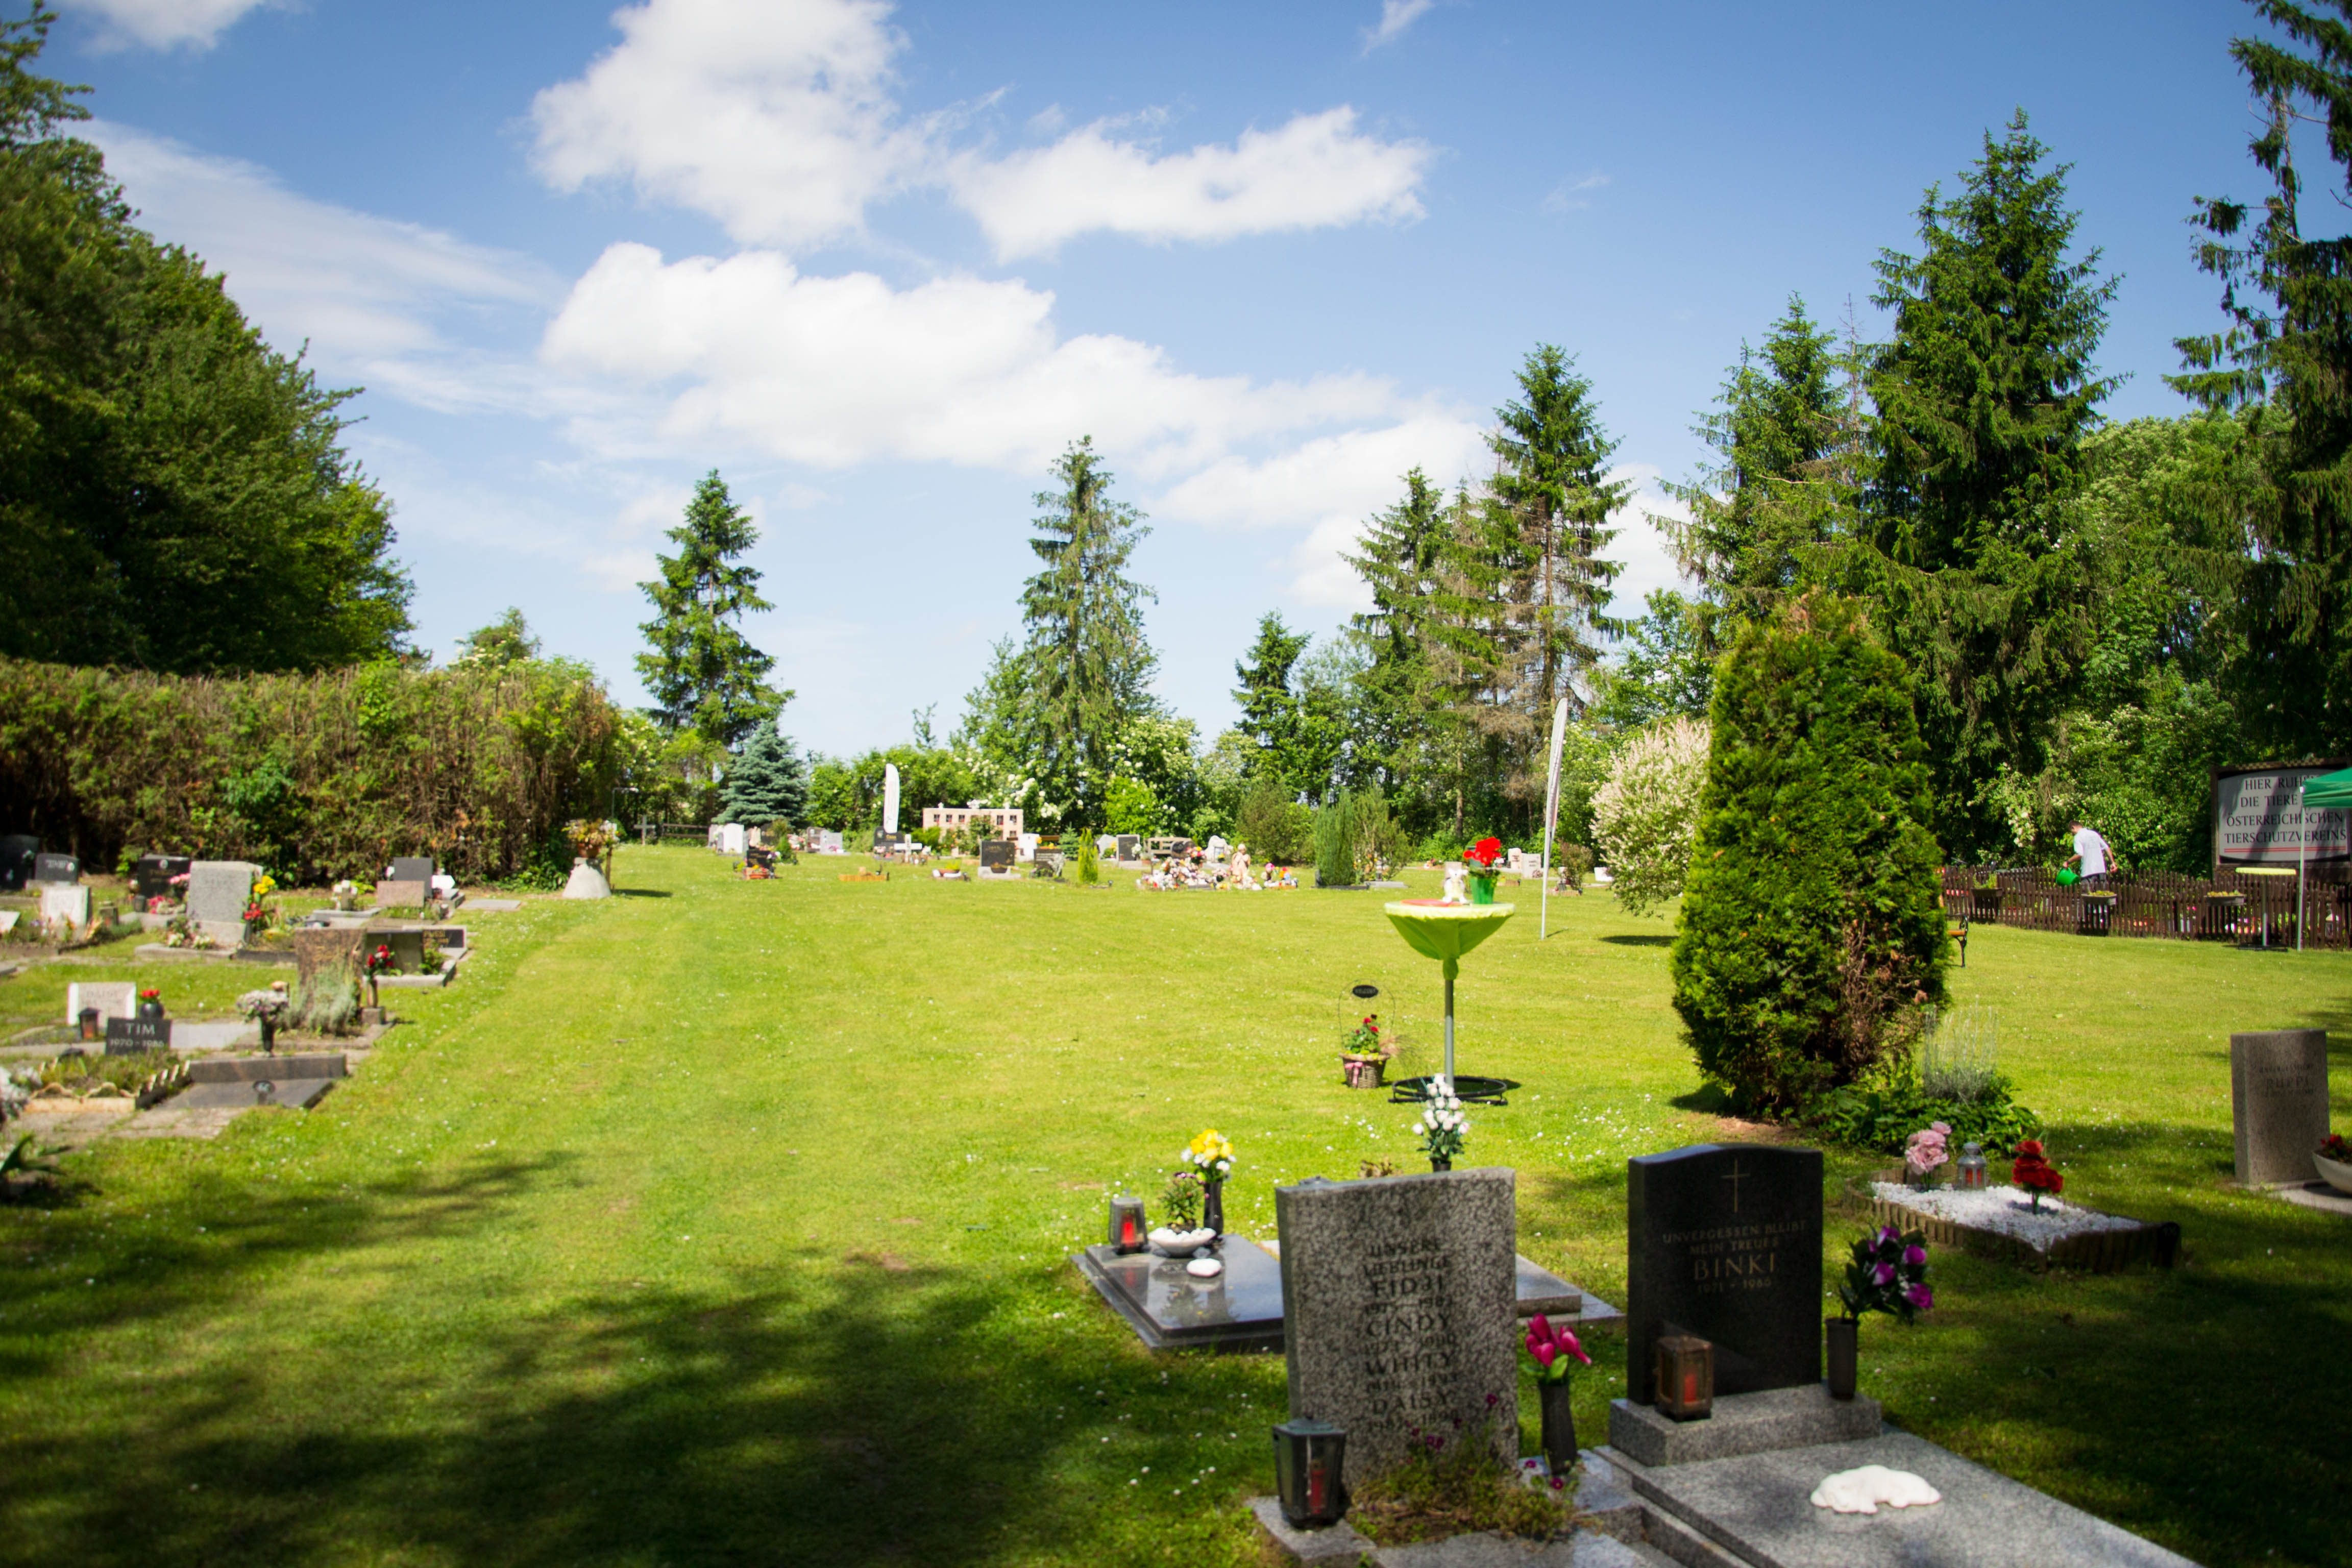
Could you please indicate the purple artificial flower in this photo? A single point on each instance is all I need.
(1914, 1256)
(1545, 1353)
(1887, 1236)
(1920, 1297)
(1881, 1274)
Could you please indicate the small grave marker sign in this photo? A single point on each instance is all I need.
(129, 1036)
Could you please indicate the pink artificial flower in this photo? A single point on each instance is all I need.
(1920, 1297)
(1544, 1351)
(1888, 1234)
(1915, 1256)
(1538, 1328)
(1568, 1343)
(1882, 1274)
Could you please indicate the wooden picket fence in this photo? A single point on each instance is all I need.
(2233, 907)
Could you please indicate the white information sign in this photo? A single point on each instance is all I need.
(2257, 821)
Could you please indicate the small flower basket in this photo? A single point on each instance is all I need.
(1479, 862)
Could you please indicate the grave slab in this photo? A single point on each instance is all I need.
(2278, 1101)
(1341, 1543)
(1758, 1509)
(494, 906)
(1742, 1424)
(1724, 1241)
(1400, 1309)
(214, 1037)
(2319, 1195)
(1169, 1310)
(297, 1093)
(277, 1070)
(1583, 1550)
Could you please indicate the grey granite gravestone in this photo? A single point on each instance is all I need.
(1398, 1297)
(55, 868)
(1724, 1241)
(219, 892)
(411, 868)
(2278, 1103)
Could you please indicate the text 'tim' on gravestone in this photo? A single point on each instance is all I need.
(1724, 1241)
(1400, 1311)
(2278, 1103)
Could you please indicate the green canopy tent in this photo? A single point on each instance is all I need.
(2326, 791)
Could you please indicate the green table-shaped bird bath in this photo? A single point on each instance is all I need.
(1447, 932)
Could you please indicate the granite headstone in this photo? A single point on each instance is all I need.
(129, 1036)
(65, 902)
(392, 894)
(111, 998)
(410, 869)
(996, 855)
(1127, 847)
(1724, 1242)
(2278, 1103)
(151, 877)
(219, 892)
(1400, 1296)
(55, 868)
(17, 852)
(318, 950)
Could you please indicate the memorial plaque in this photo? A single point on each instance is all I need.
(411, 868)
(55, 868)
(151, 877)
(2278, 1103)
(996, 855)
(1724, 1241)
(129, 1036)
(1400, 1296)
(64, 901)
(392, 894)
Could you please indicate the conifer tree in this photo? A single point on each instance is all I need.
(1399, 559)
(1812, 926)
(1270, 716)
(1087, 651)
(766, 782)
(704, 674)
(2286, 356)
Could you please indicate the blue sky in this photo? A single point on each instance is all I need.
(879, 264)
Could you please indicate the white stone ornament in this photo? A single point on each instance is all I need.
(1862, 1491)
(1204, 1268)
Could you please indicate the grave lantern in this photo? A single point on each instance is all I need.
(1972, 1167)
(87, 1020)
(1127, 1228)
(1307, 1456)
(1685, 1376)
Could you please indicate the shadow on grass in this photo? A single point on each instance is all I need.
(1707, 1098)
(860, 1411)
(1638, 940)
(641, 893)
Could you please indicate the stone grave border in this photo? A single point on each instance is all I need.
(2154, 1242)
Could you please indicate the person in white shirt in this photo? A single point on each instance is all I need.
(2091, 853)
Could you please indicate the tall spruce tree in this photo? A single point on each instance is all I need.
(1779, 427)
(1983, 399)
(1087, 651)
(766, 782)
(1270, 712)
(704, 674)
(2287, 356)
(1398, 558)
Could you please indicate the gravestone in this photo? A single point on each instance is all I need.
(2278, 1110)
(392, 894)
(828, 842)
(996, 855)
(55, 868)
(1724, 1242)
(410, 869)
(407, 948)
(129, 1036)
(1128, 845)
(17, 852)
(151, 877)
(64, 901)
(316, 950)
(1399, 1297)
(112, 998)
(219, 892)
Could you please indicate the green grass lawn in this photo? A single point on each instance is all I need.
(726, 1222)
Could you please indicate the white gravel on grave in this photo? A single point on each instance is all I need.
(2009, 1211)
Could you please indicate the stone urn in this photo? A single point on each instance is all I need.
(586, 881)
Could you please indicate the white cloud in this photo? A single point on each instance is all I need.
(1316, 170)
(1641, 547)
(777, 118)
(165, 23)
(773, 116)
(368, 290)
(838, 370)
(1568, 198)
(1396, 16)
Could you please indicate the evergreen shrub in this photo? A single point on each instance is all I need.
(1335, 843)
(314, 776)
(1811, 929)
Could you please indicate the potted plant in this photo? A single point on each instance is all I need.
(150, 1002)
(1479, 862)
(2334, 1160)
(1365, 1057)
(1554, 1350)
(1985, 897)
(1886, 1273)
(1925, 1152)
(1184, 1233)
(1443, 1127)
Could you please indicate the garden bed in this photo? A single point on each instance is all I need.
(2001, 1223)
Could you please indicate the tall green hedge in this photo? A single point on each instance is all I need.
(1811, 927)
(316, 777)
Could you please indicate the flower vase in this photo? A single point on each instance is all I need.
(1845, 1343)
(269, 1035)
(150, 1009)
(1482, 889)
(1212, 1208)
(1559, 1426)
(1438, 1164)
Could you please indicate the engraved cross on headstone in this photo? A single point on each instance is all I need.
(1735, 1179)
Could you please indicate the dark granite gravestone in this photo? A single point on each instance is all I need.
(1399, 1298)
(411, 868)
(1724, 1242)
(151, 877)
(1169, 1310)
(55, 868)
(996, 855)
(129, 1036)
(17, 852)
(2278, 1103)
(1127, 847)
